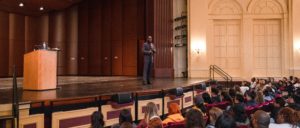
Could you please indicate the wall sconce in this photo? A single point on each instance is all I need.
(297, 45)
(198, 47)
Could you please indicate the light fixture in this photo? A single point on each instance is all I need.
(21, 4)
(41, 8)
(198, 46)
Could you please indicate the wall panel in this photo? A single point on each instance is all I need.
(57, 37)
(94, 37)
(106, 37)
(116, 38)
(83, 48)
(30, 33)
(4, 25)
(130, 39)
(16, 43)
(163, 35)
(72, 41)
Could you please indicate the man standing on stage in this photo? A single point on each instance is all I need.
(148, 50)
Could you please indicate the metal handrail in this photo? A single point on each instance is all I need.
(215, 69)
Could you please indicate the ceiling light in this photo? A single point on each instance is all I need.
(41, 8)
(21, 4)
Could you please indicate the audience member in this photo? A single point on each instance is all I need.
(240, 115)
(232, 93)
(199, 104)
(226, 97)
(194, 119)
(244, 87)
(250, 96)
(277, 105)
(215, 97)
(206, 97)
(126, 125)
(260, 119)
(225, 121)
(259, 99)
(97, 120)
(151, 119)
(124, 117)
(174, 114)
(286, 118)
(239, 99)
(214, 114)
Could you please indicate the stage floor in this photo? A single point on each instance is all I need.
(77, 87)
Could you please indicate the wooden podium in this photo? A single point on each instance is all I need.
(40, 70)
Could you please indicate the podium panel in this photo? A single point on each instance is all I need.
(40, 70)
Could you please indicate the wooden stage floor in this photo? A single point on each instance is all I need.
(78, 87)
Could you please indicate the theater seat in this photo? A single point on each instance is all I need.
(175, 125)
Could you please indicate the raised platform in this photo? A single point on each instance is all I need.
(80, 87)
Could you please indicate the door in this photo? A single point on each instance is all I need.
(227, 51)
(267, 51)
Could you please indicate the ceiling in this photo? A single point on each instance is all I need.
(31, 7)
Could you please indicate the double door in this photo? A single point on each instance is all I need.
(112, 59)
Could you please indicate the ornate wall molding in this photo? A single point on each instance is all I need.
(225, 7)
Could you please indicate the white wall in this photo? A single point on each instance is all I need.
(273, 20)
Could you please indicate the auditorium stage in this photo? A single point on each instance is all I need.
(70, 87)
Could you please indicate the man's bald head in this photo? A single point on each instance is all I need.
(261, 119)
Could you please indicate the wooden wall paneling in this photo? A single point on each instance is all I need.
(130, 37)
(106, 37)
(141, 19)
(72, 41)
(16, 43)
(83, 29)
(57, 38)
(95, 21)
(141, 34)
(4, 53)
(163, 16)
(149, 17)
(43, 29)
(30, 33)
(116, 37)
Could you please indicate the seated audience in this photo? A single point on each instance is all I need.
(260, 119)
(253, 83)
(97, 120)
(286, 118)
(194, 119)
(259, 99)
(240, 115)
(294, 101)
(199, 104)
(268, 94)
(174, 114)
(226, 97)
(151, 119)
(214, 114)
(276, 106)
(250, 96)
(215, 97)
(225, 121)
(238, 89)
(244, 87)
(126, 125)
(207, 99)
(239, 99)
(232, 93)
(124, 117)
